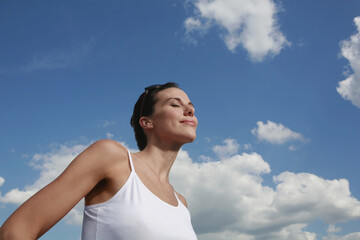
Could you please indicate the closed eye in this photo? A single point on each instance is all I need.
(178, 103)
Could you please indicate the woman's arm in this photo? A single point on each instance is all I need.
(43, 210)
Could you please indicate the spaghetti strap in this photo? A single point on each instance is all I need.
(177, 197)
(131, 161)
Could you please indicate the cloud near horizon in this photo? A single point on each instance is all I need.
(251, 24)
(349, 88)
(227, 197)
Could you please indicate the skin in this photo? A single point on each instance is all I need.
(100, 171)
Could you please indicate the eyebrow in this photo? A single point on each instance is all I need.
(179, 100)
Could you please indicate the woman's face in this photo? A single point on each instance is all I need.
(173, 118)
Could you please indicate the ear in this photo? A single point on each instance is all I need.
(146, 123)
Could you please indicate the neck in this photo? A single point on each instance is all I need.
(159, 159)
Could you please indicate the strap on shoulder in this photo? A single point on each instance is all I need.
(131, 161)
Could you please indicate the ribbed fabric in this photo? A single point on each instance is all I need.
(135, 213)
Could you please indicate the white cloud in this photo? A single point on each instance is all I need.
(329, 200)
(351, 236)
(333, 229)
(230, 148)
(192, 24)
(275, 133)
(292, 232)
(349, 88)
(204, 158)
(251, 24)
(247, 146)
(228, 200)
(17, 196)
(2, 180)
(227, 197)
(75, 216)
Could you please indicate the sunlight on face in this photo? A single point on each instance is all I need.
(173, 118)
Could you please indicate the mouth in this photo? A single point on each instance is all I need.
(189, 122)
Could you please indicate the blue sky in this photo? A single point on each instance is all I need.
(275, 86)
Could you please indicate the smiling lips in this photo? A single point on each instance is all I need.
(189, 122)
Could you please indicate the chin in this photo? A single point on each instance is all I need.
(191, 139)
(184, 137)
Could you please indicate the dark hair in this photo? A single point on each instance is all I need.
(145, 107)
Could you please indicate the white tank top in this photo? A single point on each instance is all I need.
(135, 213)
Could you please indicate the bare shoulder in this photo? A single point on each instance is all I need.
(107, 150)
(113, 166)
(108, 146)
(101, 157)
(182, 199)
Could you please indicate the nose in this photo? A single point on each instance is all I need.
(189, 111)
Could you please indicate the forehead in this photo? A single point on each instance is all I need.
(172, 93)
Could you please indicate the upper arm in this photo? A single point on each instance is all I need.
(53, 202)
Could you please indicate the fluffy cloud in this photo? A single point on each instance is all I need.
(317, 195)
(275, 133)
(17, 196)
(251, 24)
(228, 199)
(51, 165)
(349, 88)
(230, 148)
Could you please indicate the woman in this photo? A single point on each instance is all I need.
(127, 196)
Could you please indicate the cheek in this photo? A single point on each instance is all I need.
(166, 119)
(172, 114)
